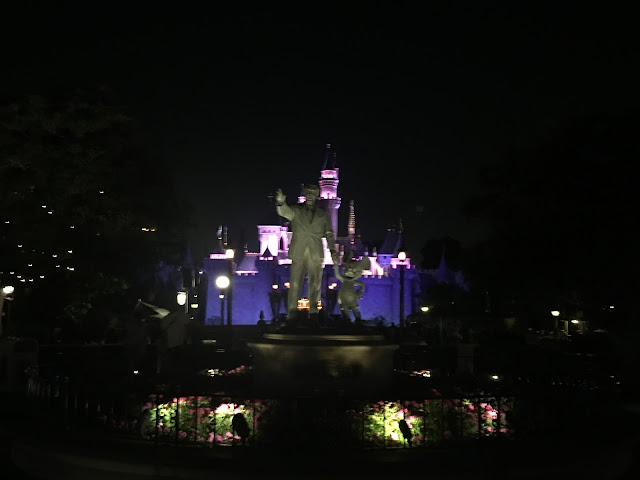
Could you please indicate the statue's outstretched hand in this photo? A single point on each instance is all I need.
(281, 198)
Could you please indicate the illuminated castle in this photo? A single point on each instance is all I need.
(259, 280)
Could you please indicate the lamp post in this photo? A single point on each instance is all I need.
(555, 314)
(229, 253)
(402, 256)
(275, 296)
(6, 291)
(222, 282)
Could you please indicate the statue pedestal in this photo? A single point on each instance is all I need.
(302, 364)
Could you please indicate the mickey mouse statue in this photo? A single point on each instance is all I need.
(348, 296)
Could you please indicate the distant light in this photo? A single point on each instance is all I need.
(8, 289)
(221, 295)
(494, 377)
(50, 212)
(135, 372)
(41, 276)
(69, 251)
(194, 305)
(31, 279)
(7, 221)
(424, 309)
(402, 256)
(57, 266)
(22, 280)
(44, 206)
(555, 313)
(54, 256)
(71, 226)
(71, 269)
(19, 246)
(331, 287)
(575, 321)
(229, 253)
(287, 284)
(144, 229)
(29, 264)
(274, 286)
(101, 191)
(611, 307)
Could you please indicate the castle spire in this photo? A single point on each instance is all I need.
(352, 223)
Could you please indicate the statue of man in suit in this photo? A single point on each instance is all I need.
(309, 223)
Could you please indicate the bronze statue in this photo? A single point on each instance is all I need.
(309, 223)
(348, 296)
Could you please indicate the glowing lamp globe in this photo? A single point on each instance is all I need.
(222, 282)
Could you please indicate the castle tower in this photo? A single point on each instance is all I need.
(352, 223)
(328, 183)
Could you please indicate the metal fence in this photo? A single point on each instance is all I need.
(169, 416)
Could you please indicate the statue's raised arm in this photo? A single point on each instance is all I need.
(282, 208)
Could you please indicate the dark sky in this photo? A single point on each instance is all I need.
(415, 98)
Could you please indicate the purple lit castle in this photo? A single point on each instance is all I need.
(259, 280)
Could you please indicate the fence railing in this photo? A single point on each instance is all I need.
(216, 420)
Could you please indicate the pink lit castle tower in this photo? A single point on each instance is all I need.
(328, 183)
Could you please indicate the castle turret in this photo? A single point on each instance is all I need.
(328, 183)
(352, 223)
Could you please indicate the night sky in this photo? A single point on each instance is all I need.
(241, 101)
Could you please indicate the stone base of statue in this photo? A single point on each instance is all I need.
(305, 362)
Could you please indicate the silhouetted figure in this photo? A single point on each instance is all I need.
(241, 427)
(406, 431)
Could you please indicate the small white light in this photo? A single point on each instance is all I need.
(494, 377)
(71, 226)
(69, 251)
(50, 212)
(8, 289)
(575, 321)
(57, 266)
(71, 269)
(19, 246)
(194, 305)
(181, 298)
(221, 295)
(101, 191)
(44, 206)
(7, 221)
(29, 264)
(135, 372)
(54, 255)
(41, 276)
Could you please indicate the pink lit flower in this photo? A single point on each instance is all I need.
(228, 434)
(211, 437)
(483, 405)
(219, 438)
(493, 414)
(489, 429)
(471, 407)
(488, 407)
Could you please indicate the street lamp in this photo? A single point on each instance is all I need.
(402, 256)
(229, 253)
(6, 292)
(222, 282)
(555, 314)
